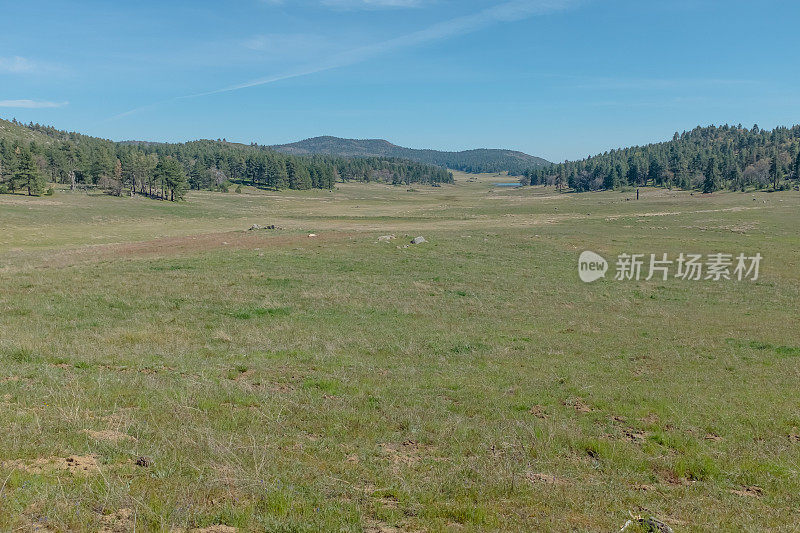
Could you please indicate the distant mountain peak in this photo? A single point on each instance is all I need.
(478, 160)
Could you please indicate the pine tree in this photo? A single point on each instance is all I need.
(711, 180)
(797, 167)
(775, 171)
(116, 183)
(281, 179)
(27, 174)
(170, 173)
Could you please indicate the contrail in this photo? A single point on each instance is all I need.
(506, 12)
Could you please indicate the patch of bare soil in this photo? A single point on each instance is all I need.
(671, 478)
(578, 404)
(177, 246)
(376, 526)
(219, 528)
(538, 411)
(650, 419)
(753, 492)
(109, 435)
(676, 213)
(120, 521)
(409, 453)
(39, 525)
(13, 379)
(75, 464)
(632, 435)
(244, 376)
(282, 388)
(388, 501)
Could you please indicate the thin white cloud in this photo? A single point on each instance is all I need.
(16, 65)
(506, 12)
(370, 4)
(31, 104)
(24, 65)
(510, 11)
(655, 83)
(287, 43)
(358, 4)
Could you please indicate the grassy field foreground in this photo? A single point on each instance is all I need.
(164, 369)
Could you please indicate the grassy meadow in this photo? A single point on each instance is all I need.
(164, 369)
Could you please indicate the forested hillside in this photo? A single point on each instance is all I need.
(31, 155)
(481, 160)
(707, 159)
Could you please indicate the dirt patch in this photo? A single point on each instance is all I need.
(650, 419)
(35, 524)
(407, 454)
(178, 246)
(712, 437)
(578, 404)
(75, 464)
(632, 435)
(677, 213)
(219, 528)
(244, 376)
(671, 478)
(388, 501)
(376, 526)
(80, 464)
(753, 492)
(109, 435)
(538, 411)
(547, 479)
(120, 521)
(281, 388)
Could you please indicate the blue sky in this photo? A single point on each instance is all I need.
(555, 78)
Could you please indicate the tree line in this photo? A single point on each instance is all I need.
(168, 170)
(706, 158)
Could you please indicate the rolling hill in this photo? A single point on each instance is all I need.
(480, 160)
(32, 153)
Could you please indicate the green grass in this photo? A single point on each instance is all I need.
(285, 383)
